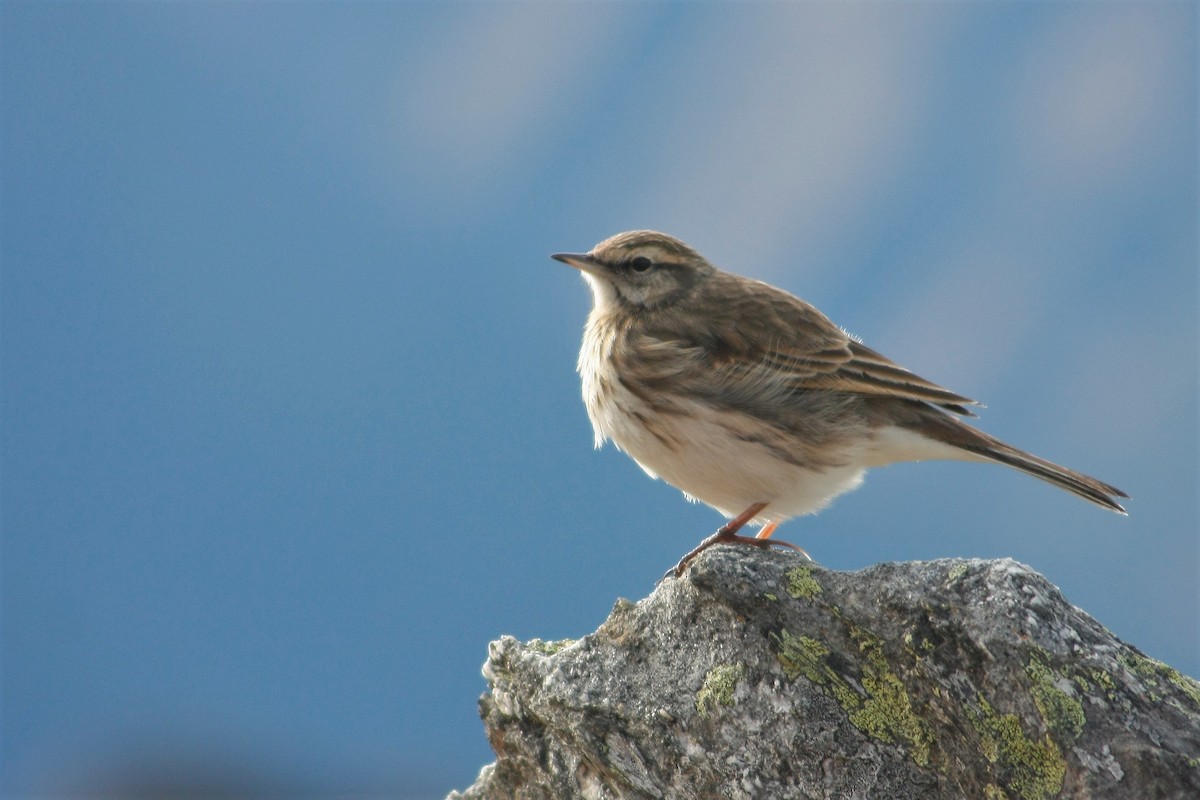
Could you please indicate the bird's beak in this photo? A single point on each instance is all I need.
(581, 261)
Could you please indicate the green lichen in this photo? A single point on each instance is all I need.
(1143, 670)
(1033, 770)
(549, 648)
(801, 655)
(1062, 713)
(1153, 672)
(801, 583)
(920, 647)
(993, 792)
(1105, 682)
(885, 713)
(719, 685)
(772, 597)
(1190, 686)
(957, 571)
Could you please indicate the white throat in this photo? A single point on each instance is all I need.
(604, 294)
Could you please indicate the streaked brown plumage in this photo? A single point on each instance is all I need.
(751, 400)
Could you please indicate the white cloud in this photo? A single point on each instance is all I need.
(825, 100)
(1083, 111)
(487, 81)
(1094, 87)
(965, 320)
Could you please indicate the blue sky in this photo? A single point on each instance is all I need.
(290, 423)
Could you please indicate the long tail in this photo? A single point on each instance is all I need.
(939, 426)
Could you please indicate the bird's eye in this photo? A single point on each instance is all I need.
(640, 264)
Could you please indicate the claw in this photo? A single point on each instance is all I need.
(728, 534)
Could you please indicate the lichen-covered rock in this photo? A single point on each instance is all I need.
(761, 675)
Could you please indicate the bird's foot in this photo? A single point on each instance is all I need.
(727, 534)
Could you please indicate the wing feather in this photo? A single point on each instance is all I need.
(775, 343)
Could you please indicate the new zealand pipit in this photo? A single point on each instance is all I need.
(749, 399)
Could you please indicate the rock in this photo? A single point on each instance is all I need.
(761, 675)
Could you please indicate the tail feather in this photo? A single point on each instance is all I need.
(1087, 487)
(941, 427)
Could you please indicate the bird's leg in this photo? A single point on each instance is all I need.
(766, 532)
(728, 534)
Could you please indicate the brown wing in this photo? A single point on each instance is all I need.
(749, 337)
(863, 371)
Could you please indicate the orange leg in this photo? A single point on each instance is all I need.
(737, 523)
(728, 534)
(769, 528)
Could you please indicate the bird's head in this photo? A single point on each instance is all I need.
(639, 270)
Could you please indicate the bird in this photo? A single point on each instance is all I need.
(750, 400)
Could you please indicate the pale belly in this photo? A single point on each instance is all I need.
(724, 459)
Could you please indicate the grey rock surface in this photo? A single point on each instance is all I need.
(761, 675)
